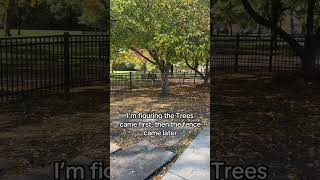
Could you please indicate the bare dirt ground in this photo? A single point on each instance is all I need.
(272, 122)
(54, 129)
(184, 98)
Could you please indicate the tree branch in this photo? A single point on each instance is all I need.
(194, 68)
(261, 20)
(154, 55)
(142, 55)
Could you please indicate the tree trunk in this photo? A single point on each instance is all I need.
(309, 55)
(230, 18)
(230, 28)
(19, 19)
(19, 27)
(10, 17)
(6, 27)
(165, 80)
(309, 65)
(292, 22)
(207, 73)
(259, 30)
(206, 80)
(205, 76)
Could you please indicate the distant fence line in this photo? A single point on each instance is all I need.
(46, 64)
(251, 53)
(122, 81)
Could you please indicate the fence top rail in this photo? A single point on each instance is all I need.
(52, 36)
(100, 35)
(29, 37)
(251, 36)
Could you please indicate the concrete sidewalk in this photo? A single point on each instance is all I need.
(114, 147)
(194, 163)
(138, 162)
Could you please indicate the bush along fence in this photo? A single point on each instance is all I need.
(131, 80)
(49, 64)
(250, 53)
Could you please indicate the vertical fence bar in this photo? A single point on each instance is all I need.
(130, 80)
(236, 60)
(31, 66)
(194, 77)
(22, 65)
(1, 72)
(40, 66)
(184, 76)
(7, 69)
(50, 57)
(61, 65)
(66, 64)
(36, 60)
(107, 60)
(47, 48)
(72, 58)
(271, 52)
(17, 65)
(11, 69)
(99, 62)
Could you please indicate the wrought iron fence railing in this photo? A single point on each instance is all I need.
(130, 80)
(47, 64)
(252, 53)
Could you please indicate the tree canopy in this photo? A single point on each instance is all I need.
(170, 32)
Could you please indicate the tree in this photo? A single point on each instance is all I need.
(307, 53)
(193, 40)
(8, 12)
(94, 14)
(65, 10)
(154, 26)
(227, 13)
(14, 12)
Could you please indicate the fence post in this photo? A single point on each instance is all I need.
(272, 43)
(130, 80)
(194, 77)
(236, 62)
(66, 64)
(184, 75)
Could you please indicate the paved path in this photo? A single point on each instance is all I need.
(194, 163)
(138, 162)
(114, 147)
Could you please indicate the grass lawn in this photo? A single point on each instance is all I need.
(28, 33)
(123, 72)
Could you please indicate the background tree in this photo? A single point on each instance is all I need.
(14, 12)
(94, 14)
(65, 10)
(193, 39)
(154, 26)
(8, 11)
(306, 53)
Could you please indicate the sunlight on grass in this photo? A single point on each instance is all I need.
(28, 33)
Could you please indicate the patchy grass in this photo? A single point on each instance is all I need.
(274, 122)
(28, 33)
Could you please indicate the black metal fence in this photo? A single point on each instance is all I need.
(250, 53)
(47, 64)
(131, 80)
